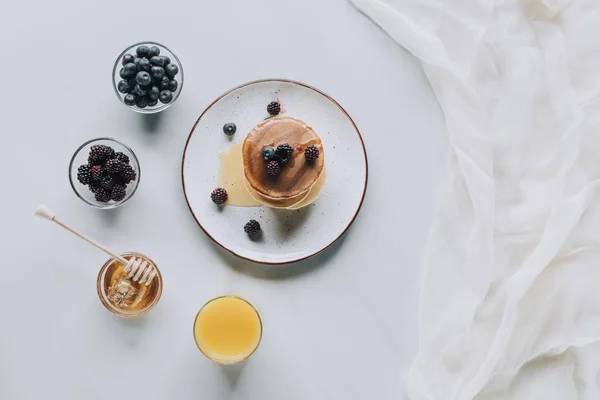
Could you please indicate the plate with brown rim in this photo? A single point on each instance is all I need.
(287, 235)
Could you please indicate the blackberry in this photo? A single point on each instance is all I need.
(96, 172)
(311, 153)
(114, 166)
(102, 195)
(128, 174)
(274, 108)
(118, 192)
(100, 153)
(107, 182)
(252, 227)
(273, 168)
(219, 196)
(84, 174)
(284, 152)
(93, 186)
(122, 157)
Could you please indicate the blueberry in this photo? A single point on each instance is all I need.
(143, 64)
(142, 51)
(158, 61)
(268, 153)
(139, 90)
(229, 129)
(128, 58)
(143, 78)
(167, 60)
(132, 83)
(172, 69)
(141, 102)
(164, 83)
(165, 96)
(153, 52)
(136, 60)
(153, 93)
(152, 103)
(157, 72)
(129, 99)
(123, 86)
(129, 70)
(173, 85)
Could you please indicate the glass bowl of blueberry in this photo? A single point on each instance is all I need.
(147, 77)
(104, 173)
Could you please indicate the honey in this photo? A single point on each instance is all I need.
(121, 295)
(231, 178)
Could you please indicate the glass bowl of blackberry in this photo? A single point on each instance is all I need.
(104, 173)
(147, 77)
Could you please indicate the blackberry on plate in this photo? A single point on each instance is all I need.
(252, 227)
(96, 172)
(84, 174)
(114, 166)
(274, 108)
(124, 158)
(118, 192)
(311, 153)
(273, 168)
(284, 152)
(229, 129)
(107, 182)
(219, 196)
(100, 153)
(102, 195)
(268, 153)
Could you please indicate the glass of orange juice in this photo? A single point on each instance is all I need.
(228, 329)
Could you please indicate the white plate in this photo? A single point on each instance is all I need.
(288, 236)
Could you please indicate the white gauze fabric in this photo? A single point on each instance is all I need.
(510, 298)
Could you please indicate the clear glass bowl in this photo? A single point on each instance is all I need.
(111, 270)
(80, 157)
(164, 51)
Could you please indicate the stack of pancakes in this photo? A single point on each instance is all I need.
(299, 181)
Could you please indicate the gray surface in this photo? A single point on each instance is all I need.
(340, 326)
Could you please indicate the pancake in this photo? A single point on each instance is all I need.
(275, 203)
(297, 176)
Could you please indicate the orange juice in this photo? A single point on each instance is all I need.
(227, 329)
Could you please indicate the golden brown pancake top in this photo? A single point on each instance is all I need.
(297, 175)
